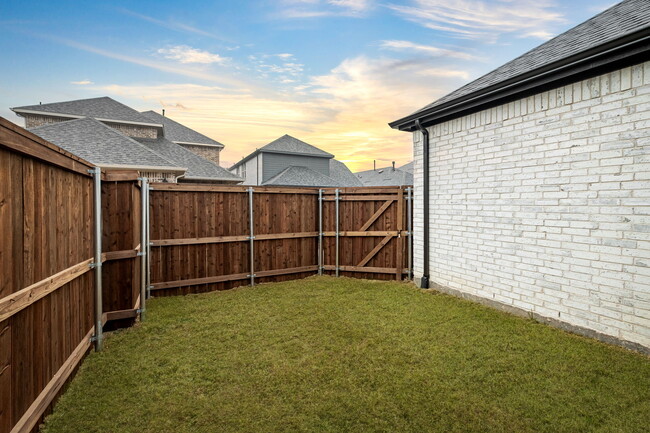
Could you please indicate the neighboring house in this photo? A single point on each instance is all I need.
(288, 161)
(188, 138)
(113, 135)
(407, 167)
(385, 176)
(539, 182)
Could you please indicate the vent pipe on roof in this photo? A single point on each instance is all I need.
(393, 165)
(163, 112)
(424, 281)
(374, 164)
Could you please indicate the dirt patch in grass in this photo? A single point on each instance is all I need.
(344, 355)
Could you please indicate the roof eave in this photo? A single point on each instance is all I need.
(162, 169)
(189, 143)
(20, 111)
(224, 179)
(617, 53)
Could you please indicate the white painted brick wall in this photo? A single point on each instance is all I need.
(544, 204)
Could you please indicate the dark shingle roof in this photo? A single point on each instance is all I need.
(101, 145)
(301, 176)
(290, 145)
(342, 174)
(624, 18)
(385, 177)
(408, 167)
(103, 108)
(197, 167)
(178, 133)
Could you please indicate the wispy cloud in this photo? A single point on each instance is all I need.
(398, 45)
(188, 71)
(186, 54)
(296, 9)
(344, 111)
(170, 24)
(82, 82)
(478, 19)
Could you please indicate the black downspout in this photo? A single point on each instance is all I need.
(424, 282)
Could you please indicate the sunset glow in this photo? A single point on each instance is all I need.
(330, 72)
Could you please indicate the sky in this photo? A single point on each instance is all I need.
(332, 73)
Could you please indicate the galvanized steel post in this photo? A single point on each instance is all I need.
(143, 245)
(252, 236)
(409, 216)
(98, 338)
(320, 232)
(336, 199)
(148, 240)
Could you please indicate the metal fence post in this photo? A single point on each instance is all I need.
(320, 232)
(98, 338)
(148, 240)
(252, 236)
(409, 216)
(143, 245)
(336, 200)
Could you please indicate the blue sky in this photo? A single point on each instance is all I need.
(330, 72)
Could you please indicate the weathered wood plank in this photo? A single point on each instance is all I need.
(10, 305)
(364, 269)
(361, 198)
(227, 239)
(20, 140)
(119, 255)
(31, 417)
(229, 189)
(375, 250)
(400, 241)
(231, 277)
(376, 233)
(376, 215)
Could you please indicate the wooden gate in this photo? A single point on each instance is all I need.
(372, 232)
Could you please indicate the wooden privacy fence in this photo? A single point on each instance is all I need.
(76, 255)
(49, 268)
(207, 238)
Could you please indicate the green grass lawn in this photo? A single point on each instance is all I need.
(344, 355)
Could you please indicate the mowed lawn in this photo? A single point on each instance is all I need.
(344, 355)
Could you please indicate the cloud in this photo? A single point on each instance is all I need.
(297, 9)
(478, 19)
(170, 24)
(82, 82)
(398, 45)
(221, 78)
(186, 54)
(344, 111)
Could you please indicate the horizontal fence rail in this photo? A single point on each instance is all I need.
(206, 238)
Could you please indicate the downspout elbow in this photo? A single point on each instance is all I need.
(424, 281)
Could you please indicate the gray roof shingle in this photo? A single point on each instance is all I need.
(287, 144)
(385, 177)
(621, 19)
(177, 132)
(342, 173)
(301, 176)
(408, 167)
(197, 167)
(103, 108)
(95, 142)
